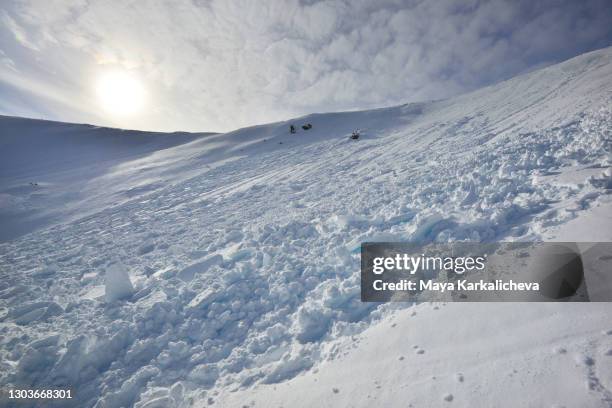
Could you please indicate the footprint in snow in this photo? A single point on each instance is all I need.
(335, 390)
(448, 397)
(559, 350)
(459, 377)
(420, 351)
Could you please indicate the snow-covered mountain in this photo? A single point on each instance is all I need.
(50, 171)
(171, 270)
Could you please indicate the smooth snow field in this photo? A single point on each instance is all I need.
(178, 270)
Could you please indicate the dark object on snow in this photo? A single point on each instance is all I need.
(307, 126)
(355, 135)
(292, 129)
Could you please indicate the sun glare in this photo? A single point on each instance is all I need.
(120, 93)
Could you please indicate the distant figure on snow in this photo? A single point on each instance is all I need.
(292, 129)
(355, 135)
(307, 126)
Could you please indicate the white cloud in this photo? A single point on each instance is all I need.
(224, 64)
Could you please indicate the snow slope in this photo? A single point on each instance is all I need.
(51, 170)
(241, 253)
(453, 355)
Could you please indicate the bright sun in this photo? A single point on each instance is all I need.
(120, 93)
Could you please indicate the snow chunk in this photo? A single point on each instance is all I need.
(204, 374)
(117, 283)
(34, 311)
(189, 272)
(312, 323)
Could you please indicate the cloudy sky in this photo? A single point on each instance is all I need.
(219, 65)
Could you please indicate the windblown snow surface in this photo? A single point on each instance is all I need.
(223, 269)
